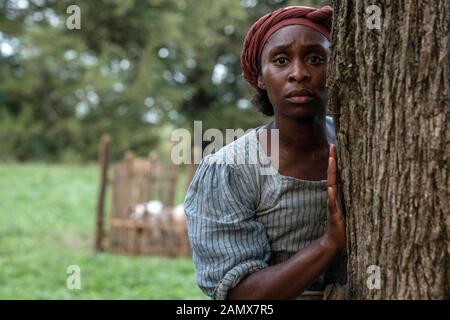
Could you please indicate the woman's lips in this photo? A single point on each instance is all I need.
(300, 96)
(300, 99)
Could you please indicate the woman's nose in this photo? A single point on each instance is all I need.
(299, 72)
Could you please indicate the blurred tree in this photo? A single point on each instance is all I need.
(135, 69)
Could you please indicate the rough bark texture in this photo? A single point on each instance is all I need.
(389, 92)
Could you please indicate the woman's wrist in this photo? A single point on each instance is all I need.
(328, 245)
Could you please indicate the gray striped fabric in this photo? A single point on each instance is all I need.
(242, 218)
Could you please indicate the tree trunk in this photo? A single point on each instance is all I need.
(389, 92)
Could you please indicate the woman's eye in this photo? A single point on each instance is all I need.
(315, 60)
(280, 60)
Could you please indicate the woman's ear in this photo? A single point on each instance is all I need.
(261, 83)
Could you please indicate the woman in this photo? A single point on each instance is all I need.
(274, 236)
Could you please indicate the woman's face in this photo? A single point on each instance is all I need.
(293, 71)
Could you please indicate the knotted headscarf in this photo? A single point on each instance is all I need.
(259, 33)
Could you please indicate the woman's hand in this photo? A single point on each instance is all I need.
(334, 236)
(288, 279)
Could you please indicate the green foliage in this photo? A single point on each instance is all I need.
(133, 68)
(47, 224)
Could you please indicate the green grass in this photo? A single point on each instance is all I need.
(47, 224)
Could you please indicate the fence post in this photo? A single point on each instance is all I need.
(103, 161)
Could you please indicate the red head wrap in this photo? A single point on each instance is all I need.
(259, 33)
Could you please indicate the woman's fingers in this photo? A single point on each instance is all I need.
(333, 204)
(333, 151)
(332, 208)
(331, 170)
(336, 222)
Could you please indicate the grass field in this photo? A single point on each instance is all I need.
(47, 224)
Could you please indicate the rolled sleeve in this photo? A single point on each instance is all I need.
(227, 242)
(232, 277)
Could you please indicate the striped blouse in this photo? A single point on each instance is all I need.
(244, 216)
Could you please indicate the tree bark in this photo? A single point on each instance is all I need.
(389, 92)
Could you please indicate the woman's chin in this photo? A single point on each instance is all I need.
(304, 113)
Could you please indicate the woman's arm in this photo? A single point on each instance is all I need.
(289, 279)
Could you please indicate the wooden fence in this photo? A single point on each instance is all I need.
(135, 226)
